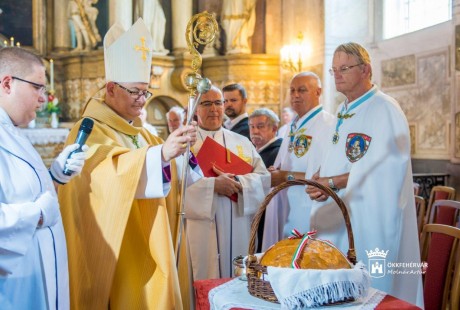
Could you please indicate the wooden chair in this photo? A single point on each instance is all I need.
(439, 192)
(441, 287)
(420, 210)
(444, 212)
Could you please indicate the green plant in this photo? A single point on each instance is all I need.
(53, 104)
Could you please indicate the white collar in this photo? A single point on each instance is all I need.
(230, 123)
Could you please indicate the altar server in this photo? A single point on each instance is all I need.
(33, 256)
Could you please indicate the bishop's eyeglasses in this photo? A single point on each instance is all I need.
(136, 93)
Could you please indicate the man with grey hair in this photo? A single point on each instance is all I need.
(368, 163)
(175, 117)
(263, 125)
(219, 227)
(299, 157)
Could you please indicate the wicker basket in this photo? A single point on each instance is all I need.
(262, 289)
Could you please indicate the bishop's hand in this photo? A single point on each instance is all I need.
(176, 144)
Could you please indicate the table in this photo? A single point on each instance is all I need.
(203, 287)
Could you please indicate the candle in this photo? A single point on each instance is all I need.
(5, 43)
(52, 74)
(11, 41)
(18, 44)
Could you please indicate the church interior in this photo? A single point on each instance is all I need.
(261, 44)
(416, 63)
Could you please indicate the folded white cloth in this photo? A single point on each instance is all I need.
(234, 294)
(301, 288)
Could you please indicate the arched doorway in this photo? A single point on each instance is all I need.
(157, 108)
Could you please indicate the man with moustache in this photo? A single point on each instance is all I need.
(235, 108)
(263, 126)
(299, 157)
(218, 228)
(368, 163)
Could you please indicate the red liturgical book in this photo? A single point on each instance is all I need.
(212, 154)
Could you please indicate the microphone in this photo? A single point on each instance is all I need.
(83, 134)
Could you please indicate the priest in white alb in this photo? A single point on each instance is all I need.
(218, 228)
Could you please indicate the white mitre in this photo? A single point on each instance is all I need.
(128, 54)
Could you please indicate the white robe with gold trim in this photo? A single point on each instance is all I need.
(218, 229)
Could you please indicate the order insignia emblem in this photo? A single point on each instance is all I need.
(301, 145)
(357, 146)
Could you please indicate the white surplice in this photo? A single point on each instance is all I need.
(33, 262)
(290, 208)
(379, 194)
(218, 229)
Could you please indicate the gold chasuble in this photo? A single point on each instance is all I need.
(120, 248)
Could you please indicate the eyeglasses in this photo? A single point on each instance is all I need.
(136, 93)
(208, 104)
(40, 87)
(343, 69)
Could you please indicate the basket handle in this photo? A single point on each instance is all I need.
(351, 254)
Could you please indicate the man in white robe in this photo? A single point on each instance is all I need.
(368, 163)
(299, 157)
(33, 256)
(218, 229)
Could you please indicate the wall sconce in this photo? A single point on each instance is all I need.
(155, 80)
(295, 56)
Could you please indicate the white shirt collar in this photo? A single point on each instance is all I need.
(230, 123)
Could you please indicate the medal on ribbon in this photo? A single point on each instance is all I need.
(344, 113)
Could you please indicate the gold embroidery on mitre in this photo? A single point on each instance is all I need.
(142, 48)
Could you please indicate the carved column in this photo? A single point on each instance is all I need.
(61, 26)
(181, 14)
(121, 11)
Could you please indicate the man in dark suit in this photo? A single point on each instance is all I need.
(263, 126)
(235, 99)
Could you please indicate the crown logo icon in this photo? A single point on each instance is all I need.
(376, 253)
